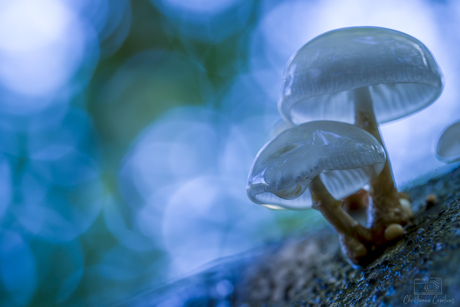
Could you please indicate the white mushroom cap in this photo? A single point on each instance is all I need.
(344, 156)
(448, 146)
(401, 73)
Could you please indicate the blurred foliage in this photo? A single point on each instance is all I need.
(72, 233)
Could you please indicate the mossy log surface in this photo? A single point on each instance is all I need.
(311, 271)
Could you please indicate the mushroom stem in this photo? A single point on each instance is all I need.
(353, 236)
(385, 208)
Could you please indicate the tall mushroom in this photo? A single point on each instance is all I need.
(314, 164)
(365, 76)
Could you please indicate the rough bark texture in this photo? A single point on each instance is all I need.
(311, 271)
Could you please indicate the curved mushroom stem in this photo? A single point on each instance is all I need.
(353, 236)
(385, 208)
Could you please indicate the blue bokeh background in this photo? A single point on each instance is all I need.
(127, 129)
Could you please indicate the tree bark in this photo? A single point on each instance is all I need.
(311, 270)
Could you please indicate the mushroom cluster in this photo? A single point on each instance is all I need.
(336, 91)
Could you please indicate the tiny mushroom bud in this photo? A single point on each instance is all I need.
(448, 146)
(393, 231)
(365, 76)
(430, 201)
(313, 165)
(406, 206)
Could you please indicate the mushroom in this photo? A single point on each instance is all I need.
(313, 165)
(365, 76)
(448, 146)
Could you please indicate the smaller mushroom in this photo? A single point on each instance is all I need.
(448, 146)
(313, 165)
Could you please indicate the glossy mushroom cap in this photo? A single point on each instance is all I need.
(344, 156)
(401, 73)
(448, 147)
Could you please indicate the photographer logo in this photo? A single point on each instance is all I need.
(428, 286)
(428, 290)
